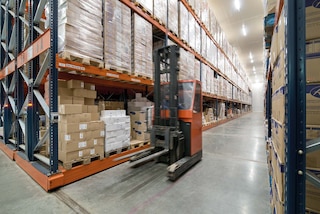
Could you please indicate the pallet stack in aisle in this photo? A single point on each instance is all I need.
(81, 133)
(312, 99)
(140, 110)
(117, 131)
(80, 29)
(117, 30)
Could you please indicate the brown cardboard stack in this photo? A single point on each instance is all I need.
(117, 129)
(187, 61)
(81, 133)
(142, 47)
(117, 30)
(80, 28)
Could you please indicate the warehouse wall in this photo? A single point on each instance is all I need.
(258, 90)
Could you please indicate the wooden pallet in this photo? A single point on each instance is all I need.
(82, 59)
(138, 143)
(116, 151)
(116, 68)
(143, 76)
(81, 161)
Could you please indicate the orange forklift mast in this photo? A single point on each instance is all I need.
(176, 134)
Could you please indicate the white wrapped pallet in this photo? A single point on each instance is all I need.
(142, 47)
(197, 69)
(173, 24)
(80, 28)
(186, 65)
(117, 129)
(160, 11)
(183, 22)
(191, 31)
(204, 16)
(145, 4)
(198, 38)
(117, 30)
(204, 78)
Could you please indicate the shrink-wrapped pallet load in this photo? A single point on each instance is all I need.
(80, 28)
(117, 30)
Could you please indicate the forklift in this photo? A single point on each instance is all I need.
(176, 133)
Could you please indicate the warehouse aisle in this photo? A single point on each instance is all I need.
(231, 178)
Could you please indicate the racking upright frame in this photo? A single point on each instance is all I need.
(295, 101)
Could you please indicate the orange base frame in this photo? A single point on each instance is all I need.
(65, 177)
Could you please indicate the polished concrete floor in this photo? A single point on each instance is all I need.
(231, 178)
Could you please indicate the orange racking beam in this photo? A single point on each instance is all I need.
(40, 45)
(93, 70)
(9, 152)
(76, 173)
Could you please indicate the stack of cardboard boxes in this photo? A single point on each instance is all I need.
(117, 130)
(313, 98)
(140, 110)
(81, 132)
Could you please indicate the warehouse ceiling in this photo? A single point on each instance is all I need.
(249, 15)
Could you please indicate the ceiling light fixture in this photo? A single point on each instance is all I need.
(254, 68)
(244, 30)
(251, 61)
(250, 56)
(237, 4)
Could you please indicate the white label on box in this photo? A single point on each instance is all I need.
(81, 135)
(95, 142)
(82, 144)
(80, 153)
(83, 126)
(82, 84)
(67, 137)
(92, 151)
(93, 87)
(102, 133)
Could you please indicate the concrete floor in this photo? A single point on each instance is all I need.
(231, 178)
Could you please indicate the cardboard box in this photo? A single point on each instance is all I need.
(69, 118)
(73, 146)
(313, 117)
(313, 69)
(69, 127)
(98, 133)
(313, 159)
(64, 100)
(90, 86)
(113, 113)
(313, 97)
(75, 84)
(313, 194)
(89, 101)
(95, 116)
(84, 117)
(278, 174)
(65, 156)
(312, 132)
(65, 92)
(84, 109)
(78, 100)
(96, 125)
(143, 136)
(91, 94)
(278, 139)
(85, 135)
(140, 125)
(92, 108)
(62, 84)
(98, 142)
(138, 115)
(70, 109)
(278, 105)
(83, 126)
(312, 19)
(79, 92)
(65, 137)
(119, 126)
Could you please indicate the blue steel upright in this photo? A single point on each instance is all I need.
(295, 173)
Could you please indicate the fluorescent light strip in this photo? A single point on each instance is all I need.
(237, 4)
(244, 31)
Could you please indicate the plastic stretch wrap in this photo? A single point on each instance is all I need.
(198, 38)
(147, 4)
(186, 65)
(204, 78)
(173, 16)
(204, 39)
(192, 3)
(212, 24)
(160, 10)
(204, 16)
(142, 47)
(197, 69)
(192, 31)
(183, 22)
(221, 61)
(80, 28)
(117, 31)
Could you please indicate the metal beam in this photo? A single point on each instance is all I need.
(22, 126)
(39, 11)
(42, 102)
(42, 140)
(312, 178)
(43, 69)
(13, 104)
(22, 7)
(313, 145)
(25, 78)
